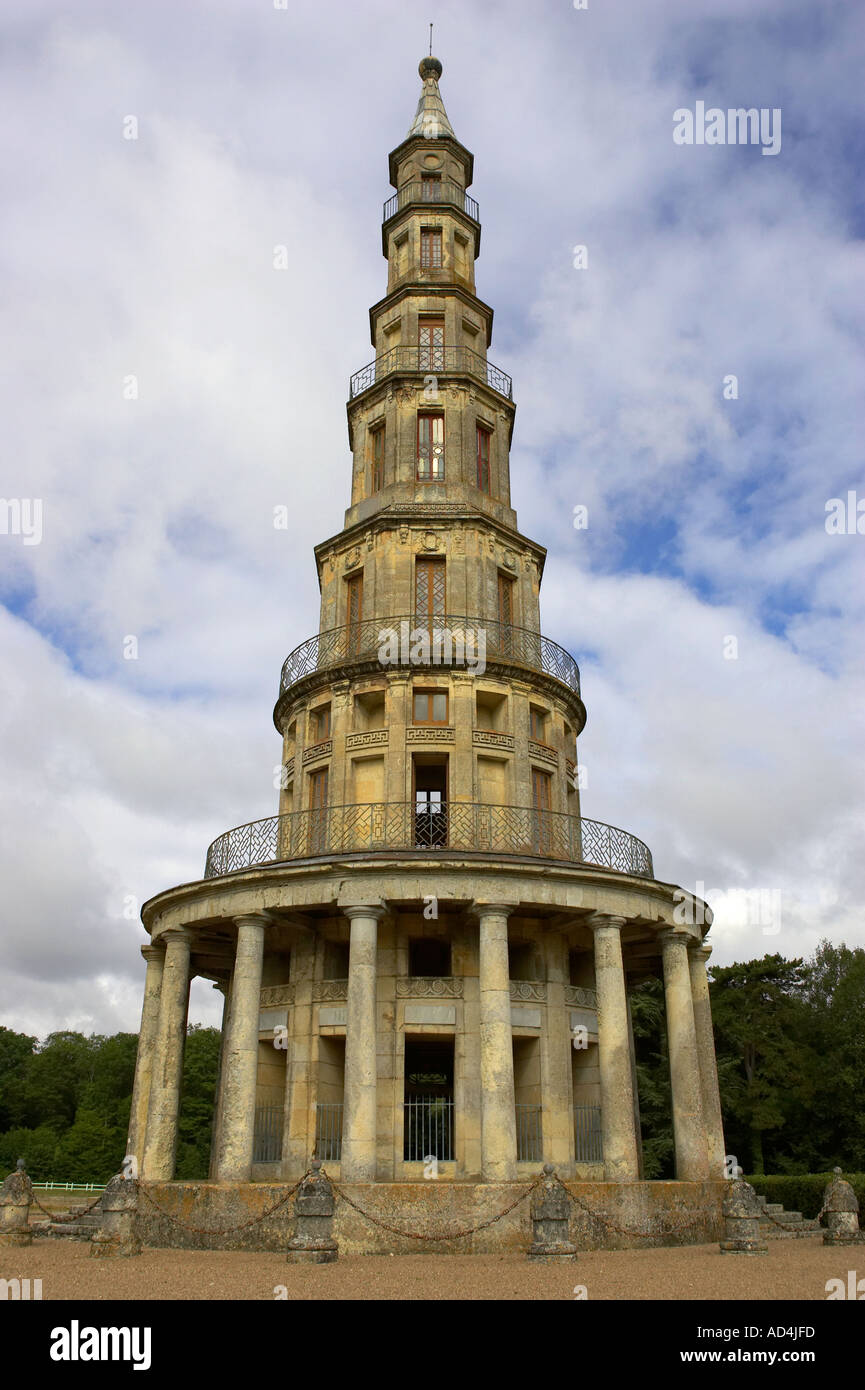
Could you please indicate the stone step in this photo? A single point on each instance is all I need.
(72, 1230)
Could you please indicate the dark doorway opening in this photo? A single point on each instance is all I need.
(430, 802)
(429, 1100)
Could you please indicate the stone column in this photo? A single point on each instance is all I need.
(147, 1035)
(498, 1115)
(692, 1160)
(621, 1160)
(160, 1145)
(557, 1096)
(240, 1060)
(711, 1098)
(358, 1162)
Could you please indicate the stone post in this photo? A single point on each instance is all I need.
(742, 1221)
(692, 1159)
(621, 1156)
(551, 1211)
(842, 1213)
(313, 1242)
(119, 1233)
(160, 1145)
(710, 1095)
(234, 1146)
(16, 1194)
(358, 1161)
(147, 1037)
(498, 1113)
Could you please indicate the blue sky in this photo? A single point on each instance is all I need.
(154, 257)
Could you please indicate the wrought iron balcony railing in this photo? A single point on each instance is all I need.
(431, 191)
(381, 827)
(421, 641)
(431, 360)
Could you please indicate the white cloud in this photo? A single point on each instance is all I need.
(260, 128)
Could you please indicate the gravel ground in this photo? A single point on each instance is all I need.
(793, 1269)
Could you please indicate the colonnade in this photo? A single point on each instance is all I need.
(699, 1144)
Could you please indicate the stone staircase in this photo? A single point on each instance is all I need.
(84, 1224)
(794, 1224)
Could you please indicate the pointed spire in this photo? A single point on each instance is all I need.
(431, 119)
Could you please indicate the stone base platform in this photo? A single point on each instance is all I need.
(652, 1213)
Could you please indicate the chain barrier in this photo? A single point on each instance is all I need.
(65, 1218)
(448, 1235)
(224, 1230)
(789, 1225)
(624, 1230)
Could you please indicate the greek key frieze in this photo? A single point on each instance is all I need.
(487, 738)
(318, 750)
(372, 738)
(430, 735)
(540, 750)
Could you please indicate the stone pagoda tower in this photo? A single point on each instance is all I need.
(425, 954)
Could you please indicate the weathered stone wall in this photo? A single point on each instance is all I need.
(649, 1208)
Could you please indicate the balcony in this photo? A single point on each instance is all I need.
(424, 361)
(431, 191)
(425, 642)
(467, 827)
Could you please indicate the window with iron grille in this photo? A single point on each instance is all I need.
(378, 458)
(431, 448)
(430, 588)
(483, 459)
(431, 345)
(431, 247)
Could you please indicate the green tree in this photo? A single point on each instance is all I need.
(766, 1061)
(16, 1049)
(54, 1079)
(91, 1150)
(653, 1078)
(834, 1129)
(200, 1063)
(36, 1146)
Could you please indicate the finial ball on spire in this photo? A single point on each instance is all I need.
(430, 67)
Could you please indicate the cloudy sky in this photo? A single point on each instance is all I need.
(738, 761)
